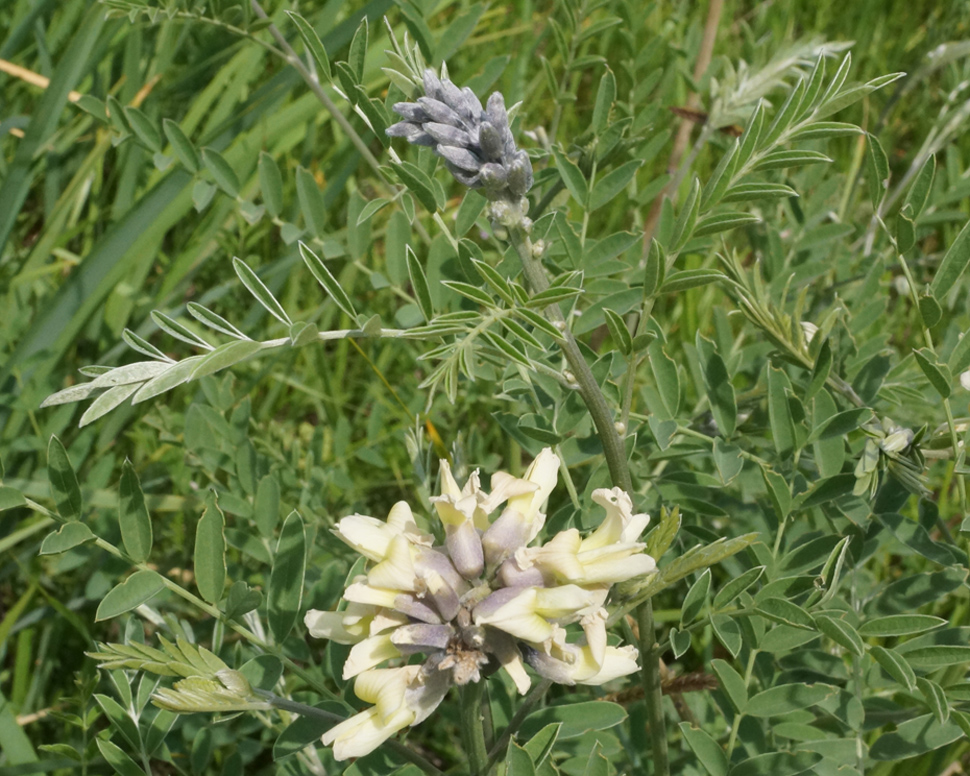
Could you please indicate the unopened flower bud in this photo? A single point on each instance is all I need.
(476, 143)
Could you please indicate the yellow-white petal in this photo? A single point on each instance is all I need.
(367, 535)
(385, 687)
(396, 571)
(518, 618)
(364, 732)
(566, 600)
(620, 524)
(594, 626)
(369, 653)
(449, 487)
(515, 668)
(617, 662)
(334, 626)
(368, 594)
(609, 568)
(558, 556)
(544, 472)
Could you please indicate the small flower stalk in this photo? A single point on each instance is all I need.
(476, 144)
(487, 599)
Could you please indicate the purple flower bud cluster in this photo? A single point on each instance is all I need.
(475, 142)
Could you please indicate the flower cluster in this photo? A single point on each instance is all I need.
(476, 143)
(482, 601)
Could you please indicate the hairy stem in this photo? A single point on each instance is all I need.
(589, 389)
(653, 692)
(472, 731)
(314, 83)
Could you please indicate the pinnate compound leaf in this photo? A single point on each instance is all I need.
(841, 633)
(133, 517)
(788, 763)
(895, 665)
(938, 374)
(63, 481)
(900, 625)
(138, 589)
(575, 718)
(326, 279)
(954, 264)
(785, 698)
(915, 737)
(184, 150)
(106, 402)
(225, 356)
(222, 172)
(518, 762)
(258, 289)
(210, 551)
(419, 282)
(709, 752)
(736, 586)
(285, 591)
(69, 536)
(313, 43)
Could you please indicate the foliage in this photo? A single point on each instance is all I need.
(780, 351)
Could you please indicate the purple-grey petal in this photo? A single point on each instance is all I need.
(494, 176)
(438, 111)
(465, 548)
(411, 639)
(520, 174)
(503, 537)
(496, 601)
(416, 609)
(547, 666)
(460, 157)
(429, 559)
(447, 134)
(411, 111)
(452, 97)
(432, 85)
(473, 103)
(471, 180)
(495, 111)
(512, 576)
(490, 141)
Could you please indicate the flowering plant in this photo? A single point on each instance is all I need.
(483, 600)
(534, 267)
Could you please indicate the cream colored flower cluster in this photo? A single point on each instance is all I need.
(483, 600)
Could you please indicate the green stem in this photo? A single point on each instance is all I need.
(653, 692)
(589, 389)
(472, 731)
(314, 83)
